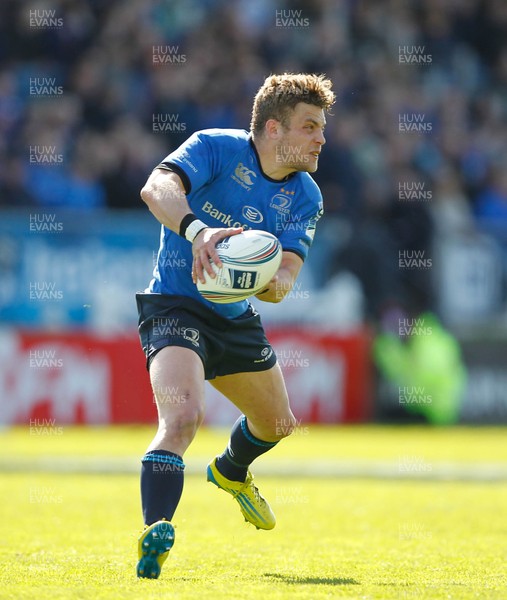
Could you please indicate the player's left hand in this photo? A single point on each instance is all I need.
(283, 280)
(204, 250)
(270, 288)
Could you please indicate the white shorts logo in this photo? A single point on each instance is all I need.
(192, 335)
(266, 353)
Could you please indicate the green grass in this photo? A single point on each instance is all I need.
(71, 535)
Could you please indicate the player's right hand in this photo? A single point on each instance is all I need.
(204, 250)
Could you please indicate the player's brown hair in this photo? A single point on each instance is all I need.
(279, 95)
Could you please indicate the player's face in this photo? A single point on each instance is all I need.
(302, 142)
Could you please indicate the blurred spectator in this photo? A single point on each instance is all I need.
(491, 203)
(102, 55)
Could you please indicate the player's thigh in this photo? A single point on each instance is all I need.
(177, 380)
(262, 397)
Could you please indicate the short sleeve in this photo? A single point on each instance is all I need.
(193, 161)
(298, 229)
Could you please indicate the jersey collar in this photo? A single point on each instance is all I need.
(285, 179)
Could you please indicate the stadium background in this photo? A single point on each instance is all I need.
(400, 313)
(398, 322)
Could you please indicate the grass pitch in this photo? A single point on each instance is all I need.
(425, 517)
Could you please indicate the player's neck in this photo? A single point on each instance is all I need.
(269, 164)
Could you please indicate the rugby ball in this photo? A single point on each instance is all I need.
(249, 262)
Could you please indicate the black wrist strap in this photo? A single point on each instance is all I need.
(185, 222)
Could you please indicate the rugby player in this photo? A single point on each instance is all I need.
(217, 184)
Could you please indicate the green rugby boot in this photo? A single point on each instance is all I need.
(153, 548)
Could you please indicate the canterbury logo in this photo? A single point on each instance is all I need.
(244, 174)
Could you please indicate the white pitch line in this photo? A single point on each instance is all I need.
(340, 469)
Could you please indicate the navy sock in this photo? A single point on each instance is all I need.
(243, 449)
(161, 484)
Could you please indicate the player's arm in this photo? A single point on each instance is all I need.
(164, 194)
(284, 280)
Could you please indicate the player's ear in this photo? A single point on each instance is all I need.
(273, 129)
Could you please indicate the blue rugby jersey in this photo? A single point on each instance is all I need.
(226, 187)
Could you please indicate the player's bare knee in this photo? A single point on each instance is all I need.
(180, 425)
(277, 428)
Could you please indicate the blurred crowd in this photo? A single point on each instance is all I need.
(86, 83)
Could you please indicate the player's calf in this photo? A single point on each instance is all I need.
(274, 428)
(243, 448)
